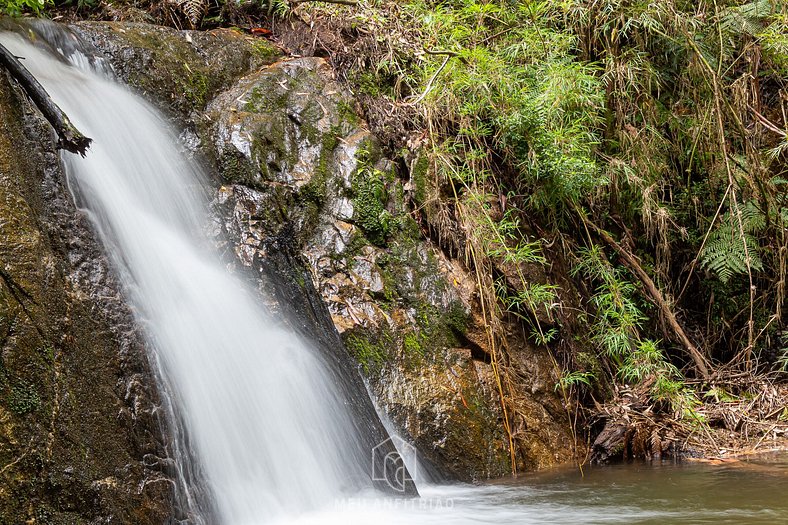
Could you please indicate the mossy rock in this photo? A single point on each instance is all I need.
(182, 69)
(75, 408)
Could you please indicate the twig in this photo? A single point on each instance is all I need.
(766, 122)
(431, 82)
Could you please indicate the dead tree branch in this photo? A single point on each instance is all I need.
(656, 297)
(69, 137)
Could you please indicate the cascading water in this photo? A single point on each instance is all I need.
(273, 432)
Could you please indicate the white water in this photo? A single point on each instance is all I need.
(271, 431)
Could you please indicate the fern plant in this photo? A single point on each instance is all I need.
(193, 10)
(729, 246)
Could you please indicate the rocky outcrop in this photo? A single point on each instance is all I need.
(79, 430)
(298, 165)
(177, 70)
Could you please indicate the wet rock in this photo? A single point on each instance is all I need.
(308, 201)
(77, 400)
(303, 175)
(182, 69)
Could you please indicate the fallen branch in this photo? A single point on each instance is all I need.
(69, 137)
(656, 296)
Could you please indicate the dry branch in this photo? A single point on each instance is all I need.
(69, 137)
(656, 296)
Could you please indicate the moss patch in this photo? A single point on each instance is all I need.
(371, 355)
(370, 197)
(23, 399)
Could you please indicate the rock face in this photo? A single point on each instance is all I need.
(79, 431)
(302, 173)
(179, 70)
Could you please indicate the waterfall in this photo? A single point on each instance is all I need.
(271, 427)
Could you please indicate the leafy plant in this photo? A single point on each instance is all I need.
(573, 379)
(18, 7)
(618, 318)
(732, 248)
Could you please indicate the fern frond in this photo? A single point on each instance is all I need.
(725, 254)
(194, 10)
(749, 18)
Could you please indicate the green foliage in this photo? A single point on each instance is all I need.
(732, 247)
(774, 40)
(512, 87)
(574, 379)
(530, 298)
(618, 317)
(616, 332)
(19, 7)
(647, 360)
(651, 120)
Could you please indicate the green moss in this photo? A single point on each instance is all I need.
(309, 117)
(266, 98)
(370, 196)
(441, 328)
(418, 176)
(456, 318)
(264, 51)
(195, 86)
(313, 194)
(414, 349)
(23, 399)
(235, 168)
(347, 113)
(370, 355)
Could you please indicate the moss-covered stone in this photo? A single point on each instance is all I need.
(404, 311)
(369, 354)
(182, 69)
(369, 205)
